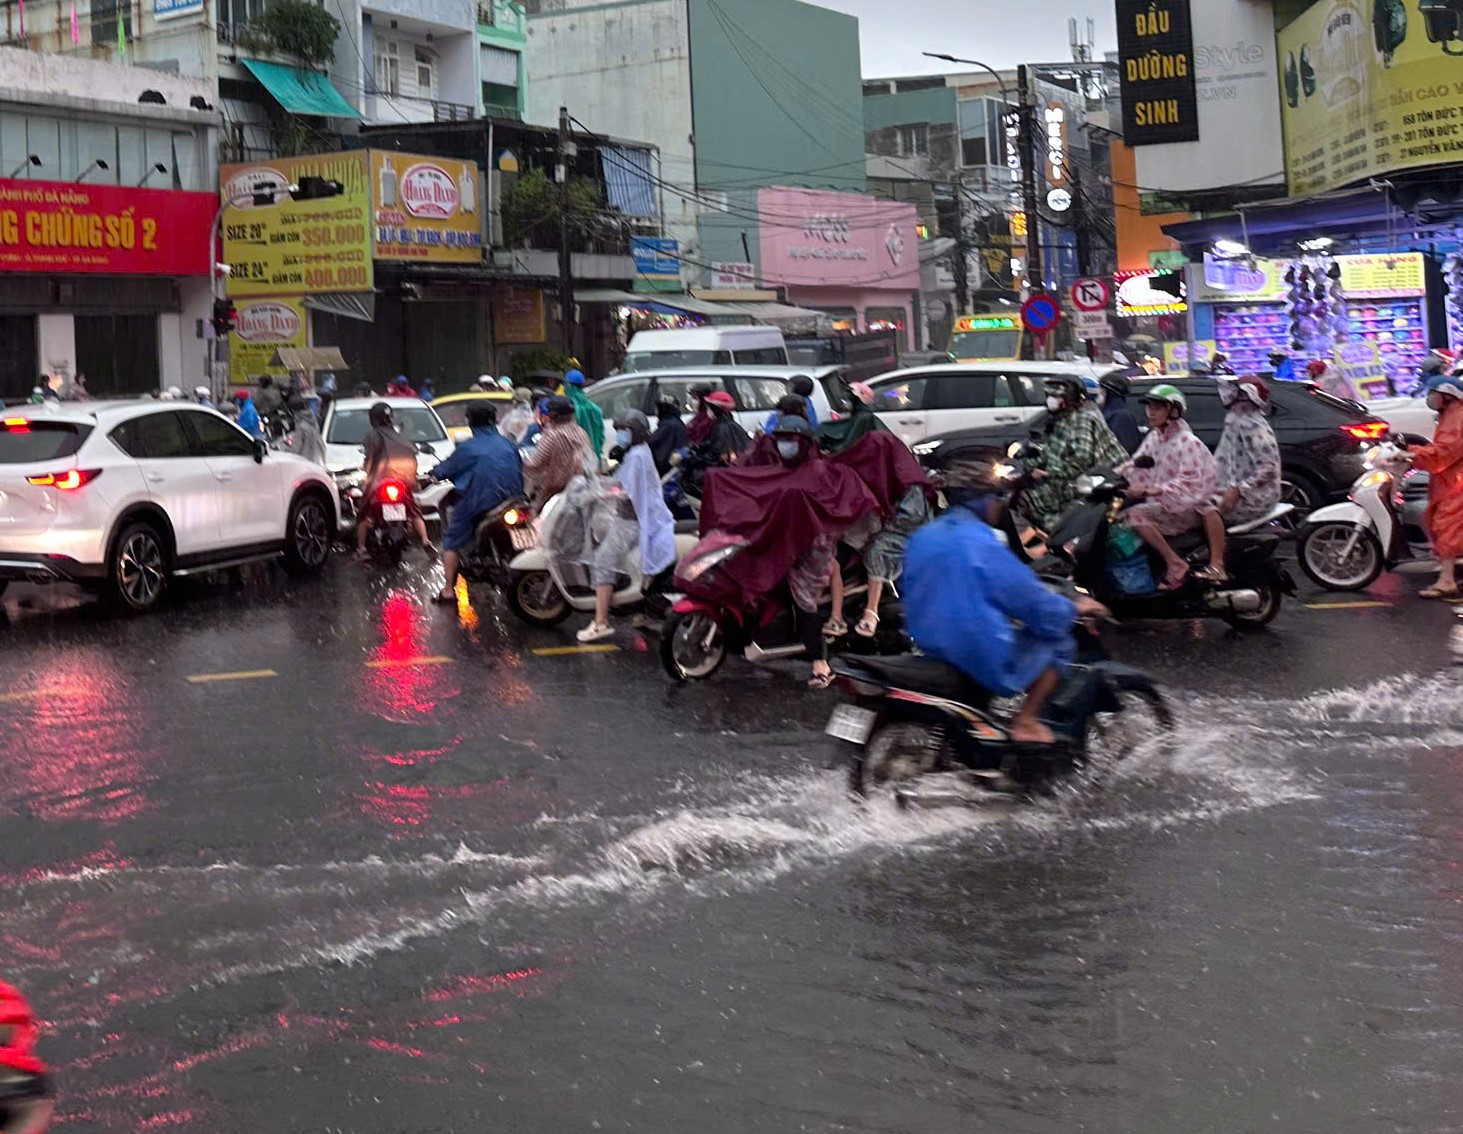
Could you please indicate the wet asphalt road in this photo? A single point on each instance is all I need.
(322, 857)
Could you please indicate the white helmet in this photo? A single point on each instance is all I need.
(201, 393)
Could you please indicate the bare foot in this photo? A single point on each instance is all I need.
(1031, 732)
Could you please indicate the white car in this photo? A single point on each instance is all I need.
(119, 497)
(1409, 416)
(930, 400)
(348, 424)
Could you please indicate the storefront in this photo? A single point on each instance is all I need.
(852, 257)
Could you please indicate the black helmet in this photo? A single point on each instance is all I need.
(668, 407)
(381, 416)
(1068, 387)
(480, 414)
(637, 424)
(1117, 383)
(793, 425)
(802, 385)
(559, 407)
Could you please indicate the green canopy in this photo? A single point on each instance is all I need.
(300, 91)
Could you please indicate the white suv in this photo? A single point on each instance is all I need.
(120, 496)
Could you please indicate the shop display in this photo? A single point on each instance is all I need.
(1249, 332)
(1453, 301)
(1398, 327)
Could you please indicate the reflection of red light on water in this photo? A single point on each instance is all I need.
(467, 986)
(411, 805)
(397, 685)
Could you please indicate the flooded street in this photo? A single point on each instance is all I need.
(323, 857)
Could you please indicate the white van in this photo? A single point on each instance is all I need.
(706, 346)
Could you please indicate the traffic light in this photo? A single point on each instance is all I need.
(223, 316)
(315, 188)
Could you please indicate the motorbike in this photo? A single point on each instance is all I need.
(391, 529)
(433, 496)
(1251, 598)
(26, 1098)
(927, 733)
(501, 535)
(543, 594)
(708, 621)
(1344, 547)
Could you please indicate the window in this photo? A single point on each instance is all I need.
(962, 391)
(217, 438)
(680, 389)
(760, 393)
(622, 397)
(36, 441)
(973, 151)
(674, 359)
(352, 426)
(914, 141)
(157, 436)
(762, 356)
(104, 16)
(1030, 389)
(388, 68)
(426, 70)
(907, 395)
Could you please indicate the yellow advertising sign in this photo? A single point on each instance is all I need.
(294, 247)
(1371, 277)
(1176, 355)
(518, 317)
(1367, 88)
(261, 327)
(427, 208)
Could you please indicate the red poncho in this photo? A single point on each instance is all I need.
(1443, 462)
(885, 464)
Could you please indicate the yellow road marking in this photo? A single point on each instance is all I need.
(561, 651)
(394, 664)
(35, 694)
(1344, 605)
(242, 675)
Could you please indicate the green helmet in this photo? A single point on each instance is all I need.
(1167, 395)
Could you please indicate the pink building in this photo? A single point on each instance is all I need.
(852, 256)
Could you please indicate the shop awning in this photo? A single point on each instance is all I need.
(360, 305)
(767, 312)
(309, 359)
(1272, 226)
(300, 91)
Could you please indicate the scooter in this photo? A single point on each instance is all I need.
(390, 532)
(26, 1098)
(1344, 547)
(543, 594)
(927, 732)
(502, 534)
(1251, 598)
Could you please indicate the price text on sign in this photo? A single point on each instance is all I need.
(1040, 313)
(1090, 295)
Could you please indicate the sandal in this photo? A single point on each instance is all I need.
(835, 628)
(820, 680)
(1172, 582)
(868, 625)
(1438, 592)
(1213, 573)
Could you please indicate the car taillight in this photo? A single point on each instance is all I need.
(16, 425)
(65, 481)
(1366, 430)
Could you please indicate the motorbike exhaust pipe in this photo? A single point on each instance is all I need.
(1245, 601)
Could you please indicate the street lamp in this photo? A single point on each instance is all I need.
(1000, 82)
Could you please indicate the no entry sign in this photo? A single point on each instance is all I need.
(1040, 314)
(1090, 295)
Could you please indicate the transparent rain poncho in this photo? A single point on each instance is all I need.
(591, 536)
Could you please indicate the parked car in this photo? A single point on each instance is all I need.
(1408, 416)
(1322, 438)
(706, 346)
(863, 357)
(929, 400)
(120, 497)
(452, 409)
(346, 426)
(756, 389)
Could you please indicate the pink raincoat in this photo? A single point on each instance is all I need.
(1182, 480)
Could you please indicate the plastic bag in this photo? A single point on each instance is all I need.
(1131, 574)
(1123, 541)
(591, 536)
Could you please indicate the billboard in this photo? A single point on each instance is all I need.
(818, 238)
(298, 247)
(1364, 96)
(60, 226)
(518, 317)
(1235, 79)
(1156, 72)
(657, 263)
(427, 209)
(261, 327)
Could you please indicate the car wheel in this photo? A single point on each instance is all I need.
(1299, 489)
(137, 571)
(307, 539)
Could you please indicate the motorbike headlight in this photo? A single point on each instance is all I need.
(695, 570)
(513, 517)
(1086, 484)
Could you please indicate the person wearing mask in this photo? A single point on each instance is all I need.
(1117, 414)
(1442, 460)
(728, 440)
(248, 415)
(268, 401)
(488, 472)
(703, 421)
(654, 526)
(670, 435)
(1248, 460)
(399, 387)
(1220, 365)
(1282, 365)
(535, 427)
(561, 453)
(586, 413)
(973, 605)
(1171, 476)
(202, 396)
(812, 574)
(1076, 442)
(389, 456)
(516, 421)
(801, 387)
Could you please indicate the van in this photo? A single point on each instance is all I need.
(706, 346)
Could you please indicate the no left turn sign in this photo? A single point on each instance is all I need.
(1090, 295)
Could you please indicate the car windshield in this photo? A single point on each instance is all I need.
(352, 426)
(672, 359)
(24, 442)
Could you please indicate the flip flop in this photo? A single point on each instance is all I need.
(867, 626)
(835, 628)
(820, 681)
(1172, 584)
(1437, 592)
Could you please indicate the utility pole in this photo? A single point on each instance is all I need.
(962, 251)
(567, 150)
(1026, 143)
(1079, 223)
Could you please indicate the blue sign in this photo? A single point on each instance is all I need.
(657, 263)
(167, 9)
(1040, 313)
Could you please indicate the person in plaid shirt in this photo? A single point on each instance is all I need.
(1076, 442)
(562, 452)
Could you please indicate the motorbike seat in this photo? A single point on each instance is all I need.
(1275, 513)
(918, 674)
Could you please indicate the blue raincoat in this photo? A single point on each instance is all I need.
(970, 602)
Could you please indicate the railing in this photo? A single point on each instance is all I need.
(450, 112)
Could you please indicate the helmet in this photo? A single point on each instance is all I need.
(173, 393)
(1068, 387)
(380, 415)
(980, 472)
(522, 395)
(1091, 387)
(559, 408)
(505, 383)
(637, 423)
(481, 414)
(241, 396)
(1251, 387)
(1116, 382)
(486, 382)
(574, 378)
(792, 425)
(721, 400)
(201, 393)
(1166, 395)
(801, 384)
(1449, 385)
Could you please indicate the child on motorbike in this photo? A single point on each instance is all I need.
(1248, 460)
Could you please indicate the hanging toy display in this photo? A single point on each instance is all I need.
(1453, 302)
(1317, 307)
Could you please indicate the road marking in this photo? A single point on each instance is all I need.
(35, 694)
(395, 663)
(561, 651)
(1344, 605)
(242, 675)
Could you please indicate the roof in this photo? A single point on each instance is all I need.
(391, 400)
(300, 91)
(309, 358)
(720, 372)
(474, 396)
(101, 411)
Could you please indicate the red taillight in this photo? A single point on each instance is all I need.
(1366, 430)
(391, 492)
(66, 481)
(16, 425)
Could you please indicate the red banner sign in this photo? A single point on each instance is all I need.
(57, 226)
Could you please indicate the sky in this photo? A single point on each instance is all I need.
(894, 32)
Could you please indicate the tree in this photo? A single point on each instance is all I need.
(530, 209)
(302, 29)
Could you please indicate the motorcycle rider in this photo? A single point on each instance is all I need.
(561, 453)
(268, 401)
(203, 396)
(972, 604)
(1221, 365)
(590, 417)
(1248, 460)
(670, 435)
(1116, 412)
(656, 527)
(800, 387)
(813, 573)
(488, 472)
(1172, 475)
(248, 414)
(728, 440)
(1076, 441)
(26, 1097)
(516, 421)
(1282, 365)
(389, 457)
(1442, 460)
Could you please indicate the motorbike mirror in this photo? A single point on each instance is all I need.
(1144, 462)
(260, 448)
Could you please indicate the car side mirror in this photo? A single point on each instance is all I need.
(260, 448)
(426, 449)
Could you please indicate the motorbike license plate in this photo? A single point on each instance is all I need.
(393, 513)
(851, 724)
(523, 538)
